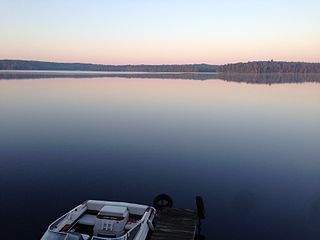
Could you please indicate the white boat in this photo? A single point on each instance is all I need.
(103, 220)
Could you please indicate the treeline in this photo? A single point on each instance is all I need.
(50, 66)
(249, 67)
(268, 78)
(270, 67)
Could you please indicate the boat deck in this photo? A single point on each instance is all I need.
(174, 223)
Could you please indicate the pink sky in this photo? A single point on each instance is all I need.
(164, 32)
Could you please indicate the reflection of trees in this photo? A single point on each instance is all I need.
(270, 78)
(247, 78)
(36, 75)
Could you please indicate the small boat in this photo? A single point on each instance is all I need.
(103, 220)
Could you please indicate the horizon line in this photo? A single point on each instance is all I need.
(162, 64)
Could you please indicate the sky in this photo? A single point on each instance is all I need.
(160, 32)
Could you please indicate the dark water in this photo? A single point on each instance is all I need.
(251, 150)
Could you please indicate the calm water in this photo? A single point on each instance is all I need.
(251, 150)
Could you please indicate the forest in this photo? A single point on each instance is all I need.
(270, 67)
(249, 67)
(53, 66)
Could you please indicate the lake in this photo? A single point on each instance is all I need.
(251, 150)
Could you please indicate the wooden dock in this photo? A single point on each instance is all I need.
(174, 224)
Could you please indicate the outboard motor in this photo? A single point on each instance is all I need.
(111, 221)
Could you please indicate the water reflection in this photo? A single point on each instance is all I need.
(314, 209)
(251, 150)
(270, 78)
(244, 202)
(247, 78)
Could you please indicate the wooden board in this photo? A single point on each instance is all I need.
(176, 224)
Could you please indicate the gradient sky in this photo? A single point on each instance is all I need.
(156, 32)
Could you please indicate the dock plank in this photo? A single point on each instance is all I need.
(174, 224)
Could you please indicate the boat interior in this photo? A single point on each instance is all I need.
(102, 219)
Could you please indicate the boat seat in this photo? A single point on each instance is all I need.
(85, 236)
(87, 219)
(131, 224)
(94, 205)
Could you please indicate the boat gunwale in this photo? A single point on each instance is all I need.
(125, 236)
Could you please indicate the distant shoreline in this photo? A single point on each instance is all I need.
(255, 67)
(57, 66)
(253, 78)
